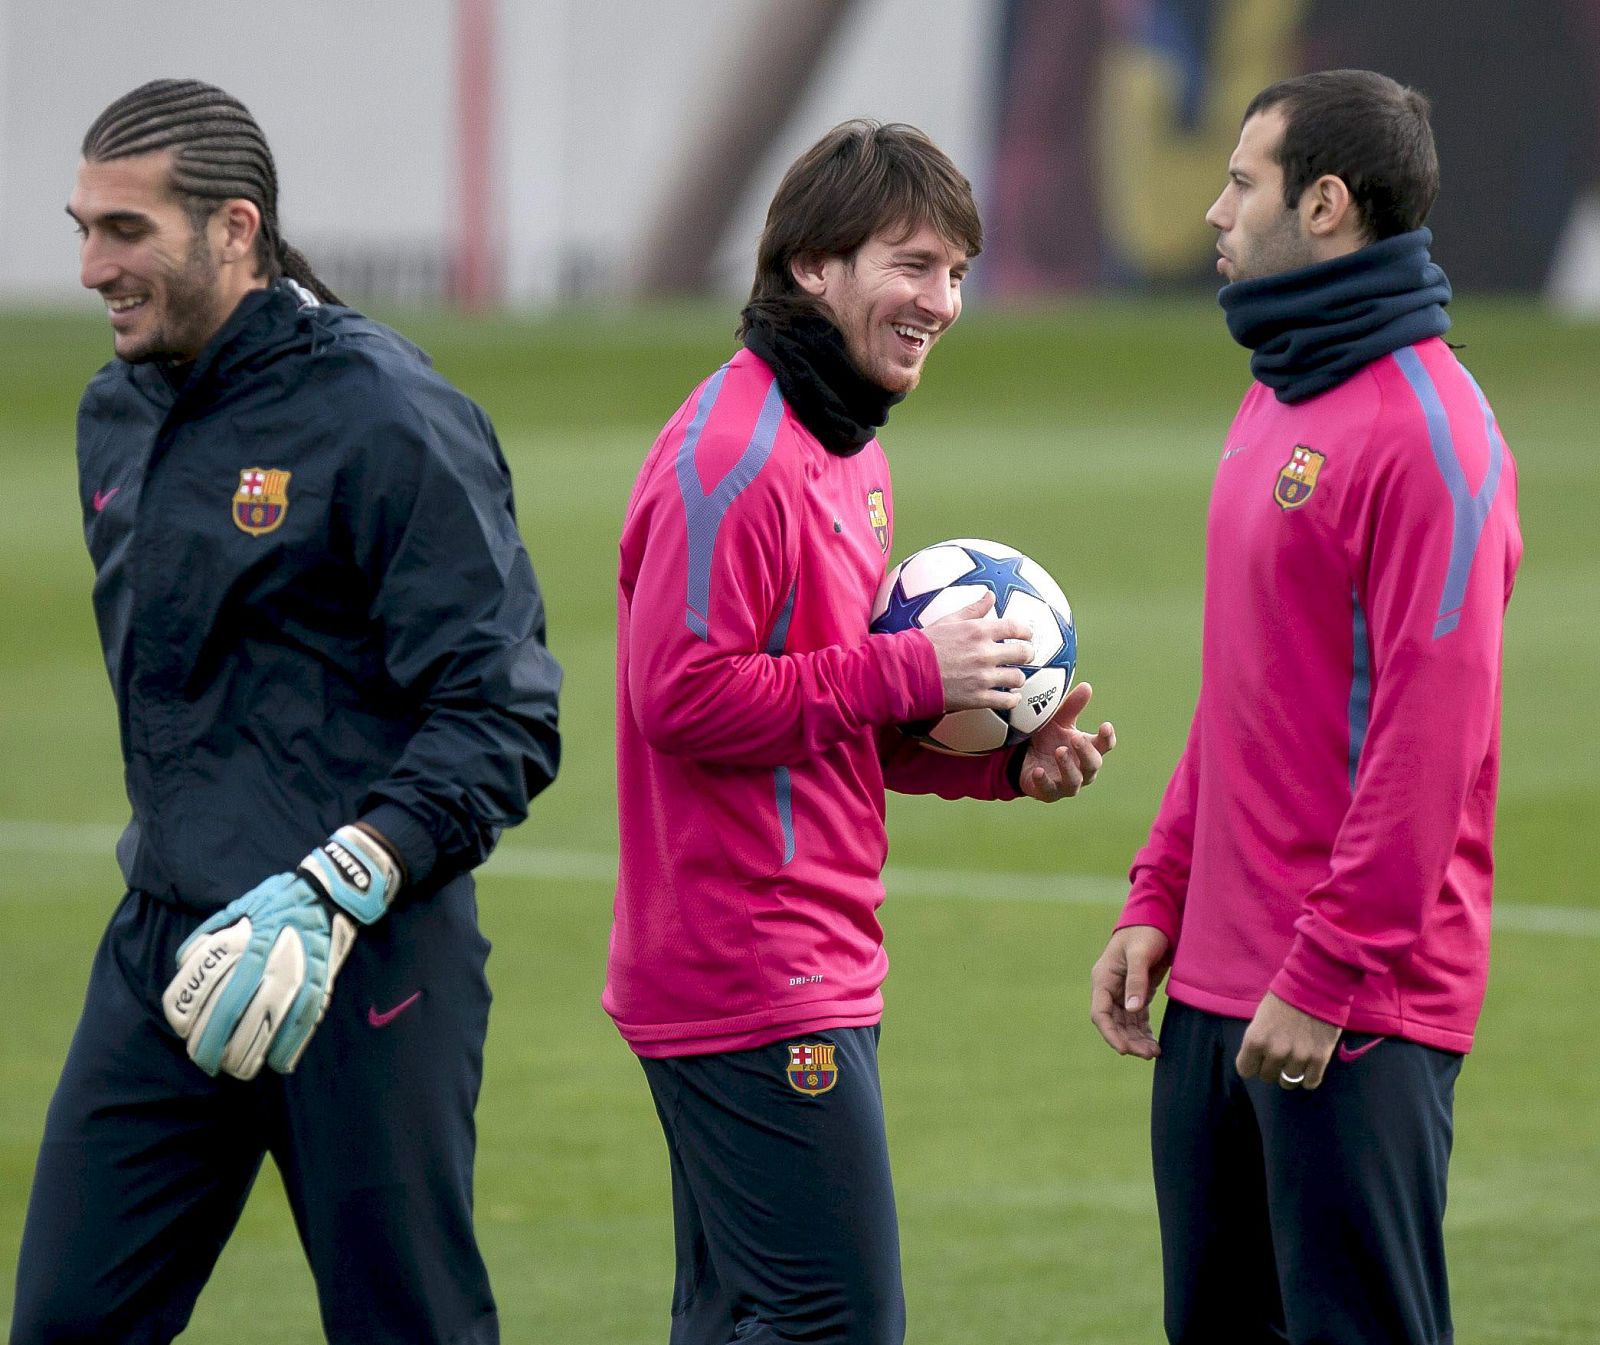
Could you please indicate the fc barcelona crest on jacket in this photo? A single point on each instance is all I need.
(879, 518)
(1298, 477)
(811, 1067)
(261, 500)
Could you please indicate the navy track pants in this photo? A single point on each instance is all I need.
(146, 1160)
(1309, 1217)
(782, 1200)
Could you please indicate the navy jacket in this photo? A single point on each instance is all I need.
(314, 603)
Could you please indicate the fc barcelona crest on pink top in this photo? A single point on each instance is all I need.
(879, 518)
(1298, 477)
(811, 1067)
(261, 500)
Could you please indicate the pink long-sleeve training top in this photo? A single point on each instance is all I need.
(754, 737)
(1327, 834)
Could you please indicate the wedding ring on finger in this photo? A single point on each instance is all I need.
(1287, 1080)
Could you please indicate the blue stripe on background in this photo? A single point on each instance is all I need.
(1469, 511)
(705, 512)
(1360, 685)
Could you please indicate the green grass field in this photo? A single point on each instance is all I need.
(1086, 436)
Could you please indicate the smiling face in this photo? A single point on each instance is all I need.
(167, 285)
(1257, 235)
(891, 300)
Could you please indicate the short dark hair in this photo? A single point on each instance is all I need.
(219, 154)
(1362, 127)
(860, 179)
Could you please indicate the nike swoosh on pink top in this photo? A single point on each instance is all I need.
(376, 1019)
(103, 497)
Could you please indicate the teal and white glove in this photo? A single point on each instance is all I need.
(254, 980)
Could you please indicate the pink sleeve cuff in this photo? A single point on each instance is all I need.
(1008, 776)
(923, 670)
(1149, 907)
(1315, 982)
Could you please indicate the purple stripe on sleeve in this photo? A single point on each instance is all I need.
(782, 784)
(1360, 685)
(780, 631)
(1469, 510)
(705, 511)
(784, 787)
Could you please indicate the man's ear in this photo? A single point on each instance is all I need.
(810, 272)
(235, 226)
(1327, 209)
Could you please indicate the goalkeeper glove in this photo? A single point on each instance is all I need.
(254, 980)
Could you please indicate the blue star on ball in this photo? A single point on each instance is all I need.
(903, 613)
(1001, 574)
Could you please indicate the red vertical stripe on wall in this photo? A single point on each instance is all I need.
(473, 277)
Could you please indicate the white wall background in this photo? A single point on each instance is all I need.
(597, 101)
(351, 95)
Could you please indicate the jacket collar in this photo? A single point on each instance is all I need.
(265, 325)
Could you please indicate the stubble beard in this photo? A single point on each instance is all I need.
(1283, 248)
(878, 368)
(189, 318)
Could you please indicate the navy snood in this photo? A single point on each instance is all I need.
(1312, 328)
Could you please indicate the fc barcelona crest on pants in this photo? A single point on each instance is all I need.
(811, 1068)
(1298, 477)
(261, 500)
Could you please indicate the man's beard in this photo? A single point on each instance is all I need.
(189, 314)
(1284, 249)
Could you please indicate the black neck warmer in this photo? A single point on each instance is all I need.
(816, 376)
(1312, 328)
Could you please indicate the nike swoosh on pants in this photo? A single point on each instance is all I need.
(1346, 1054)
(376, 1019)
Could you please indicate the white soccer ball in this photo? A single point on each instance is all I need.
(948, 576)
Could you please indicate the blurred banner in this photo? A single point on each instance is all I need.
(506, 153)
(1116, 119)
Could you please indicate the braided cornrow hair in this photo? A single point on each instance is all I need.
(220, 154)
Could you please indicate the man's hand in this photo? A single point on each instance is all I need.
(981, 657)
(1285, 1046)
(254, 980)
(1061, 759)
(1127, 974)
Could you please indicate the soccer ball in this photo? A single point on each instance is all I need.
(948, 576)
